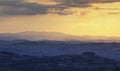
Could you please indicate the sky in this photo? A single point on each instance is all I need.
(76, 17)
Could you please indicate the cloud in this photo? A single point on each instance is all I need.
(23, 7)
(112, 13)
(83, 3)
(110, 8)
(19, 7)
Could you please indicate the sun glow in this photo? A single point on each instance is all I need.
(98, 20)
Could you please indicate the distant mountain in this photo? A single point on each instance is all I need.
(35, 36)
(87, 61)
(4, 42)
(53, 48)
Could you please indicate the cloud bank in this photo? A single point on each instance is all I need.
(19, 7)
(22, 7)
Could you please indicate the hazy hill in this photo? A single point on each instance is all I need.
(53, 48)
(52, 44)
(55, 36)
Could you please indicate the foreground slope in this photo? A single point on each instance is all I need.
(87, 61)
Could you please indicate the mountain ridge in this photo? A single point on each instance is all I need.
(36, 36)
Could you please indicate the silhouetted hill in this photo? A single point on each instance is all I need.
(87, 61)
(53, 48)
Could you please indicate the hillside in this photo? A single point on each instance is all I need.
(87, 61)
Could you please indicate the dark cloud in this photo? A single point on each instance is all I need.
(15, 7)
(83, 3)
(73, 3)
(22, 7)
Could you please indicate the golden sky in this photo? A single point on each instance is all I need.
(76, 17)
